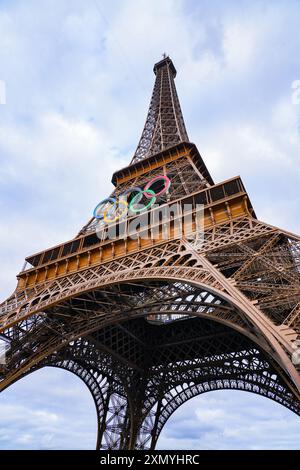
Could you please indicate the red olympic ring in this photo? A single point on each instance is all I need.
(158, 178)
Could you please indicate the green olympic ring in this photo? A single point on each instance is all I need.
(139, 196)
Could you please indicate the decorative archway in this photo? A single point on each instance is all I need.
(114, 332)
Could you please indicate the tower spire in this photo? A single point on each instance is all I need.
(164, 125)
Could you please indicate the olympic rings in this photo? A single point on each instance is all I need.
(101, 211)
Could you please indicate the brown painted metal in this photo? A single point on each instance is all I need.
(164, 127)
(150, 323)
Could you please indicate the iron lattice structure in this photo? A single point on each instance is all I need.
(164, 125)
(150, 322)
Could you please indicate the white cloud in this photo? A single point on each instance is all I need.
(231, 420)
(55, 173)
(34, 415)
(207, 416)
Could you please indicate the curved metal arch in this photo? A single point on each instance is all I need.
(111, 403)
(117, 441)
(98, 392)
(97, 388)
(109, 396)
(176, 278)
(264, 326)
(189, 275)
(204, 274)
(111, 408)
(167, 406)
(165, 275)
(258, 383)
(194, 275)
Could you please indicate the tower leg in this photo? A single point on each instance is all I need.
(102, 416)
(155, 426)
(113, 431)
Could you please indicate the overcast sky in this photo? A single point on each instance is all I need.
(78, 78)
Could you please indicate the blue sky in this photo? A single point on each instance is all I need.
(78, 82)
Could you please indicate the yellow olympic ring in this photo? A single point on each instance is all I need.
(121, 201)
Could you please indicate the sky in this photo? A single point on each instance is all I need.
(78, 80)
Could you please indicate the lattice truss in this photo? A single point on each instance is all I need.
(266, 270)
(139, 372)
(164, 125)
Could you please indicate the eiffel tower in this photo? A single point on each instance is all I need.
(149, 322)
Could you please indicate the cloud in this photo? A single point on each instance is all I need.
(231, 420)
(38, 412)
(52, 176)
